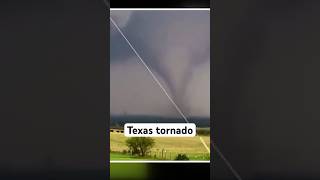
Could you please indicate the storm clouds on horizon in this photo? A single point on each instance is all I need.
(176, 46)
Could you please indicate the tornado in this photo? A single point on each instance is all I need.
(173, 43)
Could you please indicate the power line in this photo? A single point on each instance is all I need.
(151, 73)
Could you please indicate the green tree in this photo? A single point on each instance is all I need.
(140, 145)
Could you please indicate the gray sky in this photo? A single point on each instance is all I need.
(176, 45)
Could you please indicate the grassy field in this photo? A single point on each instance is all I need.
(124, 157)
(172, 146)
(129, 171)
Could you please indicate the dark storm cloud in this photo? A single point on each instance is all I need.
(175, 44)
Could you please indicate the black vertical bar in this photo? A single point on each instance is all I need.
(53, 95)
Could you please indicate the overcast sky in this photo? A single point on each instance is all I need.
(176, 45)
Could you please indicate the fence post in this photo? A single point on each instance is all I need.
(162, 153)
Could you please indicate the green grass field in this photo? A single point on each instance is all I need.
(124, 157)
(191, 146)
(129, 171)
